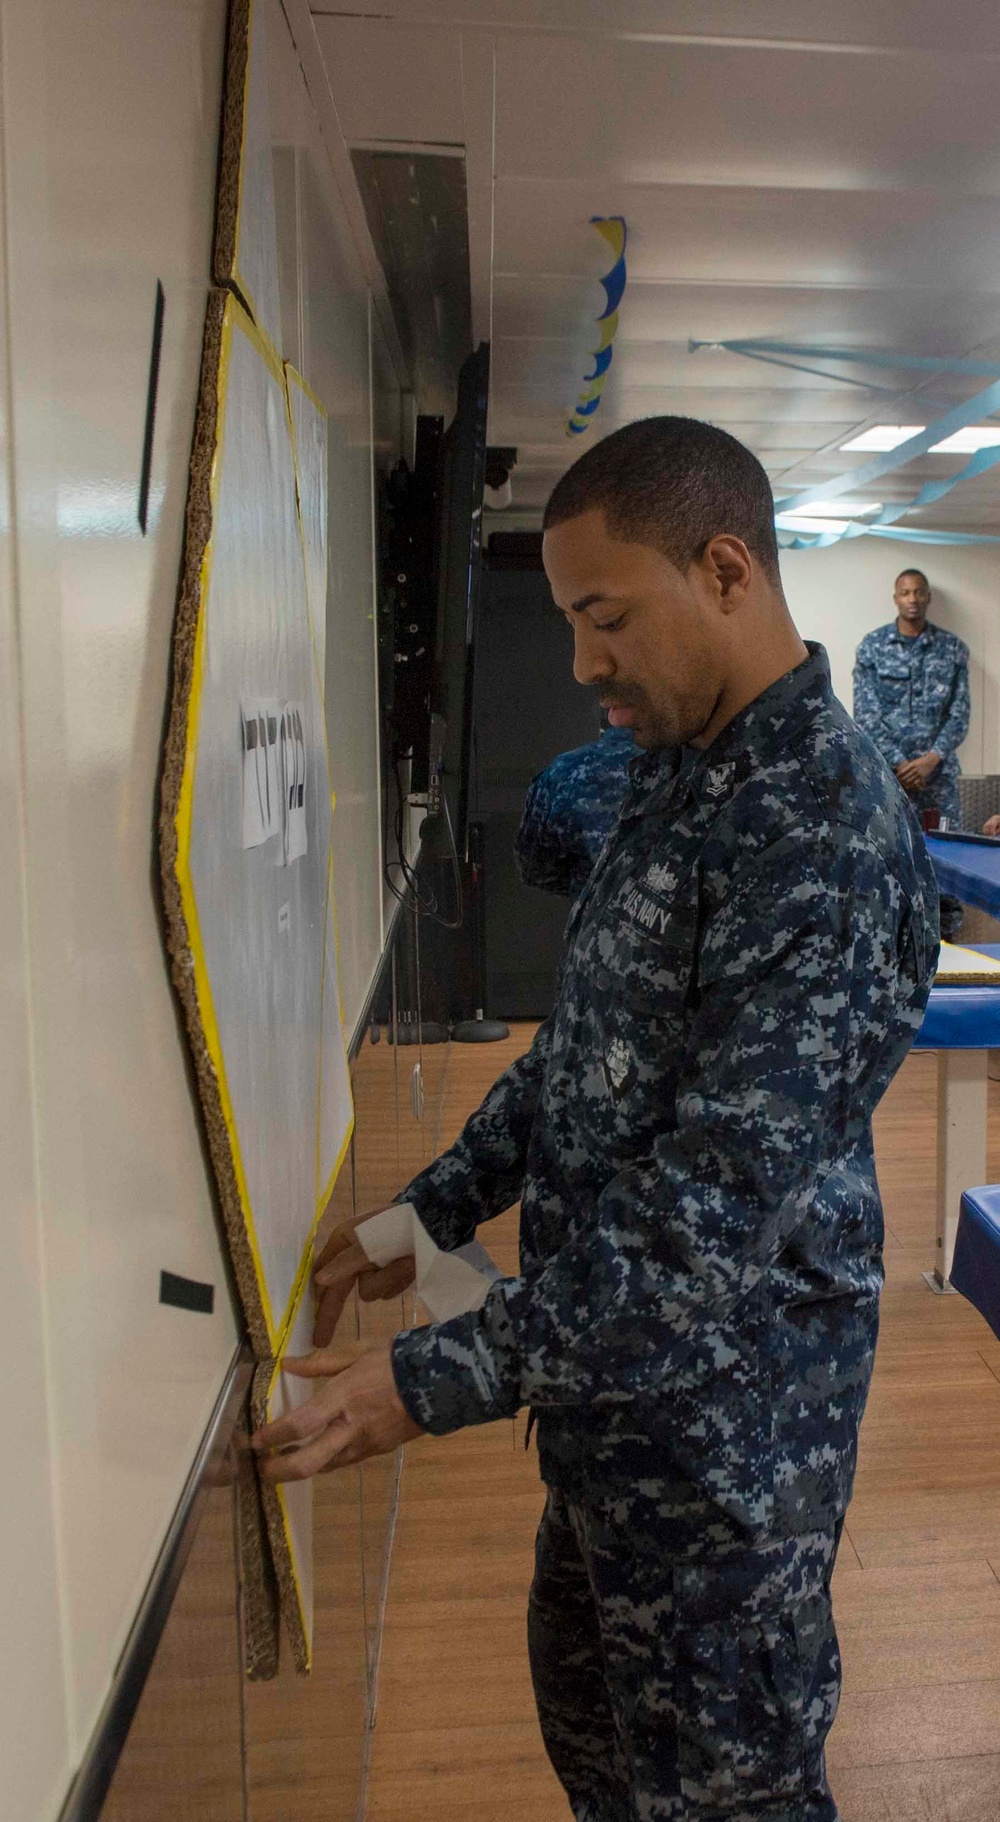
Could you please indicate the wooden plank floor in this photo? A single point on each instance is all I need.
(918, 1581)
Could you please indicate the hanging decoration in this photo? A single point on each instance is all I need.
(612, 228)
(797, 540)
(970, 411)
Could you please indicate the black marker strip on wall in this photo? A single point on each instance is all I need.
(151, 391)
(187, 1293)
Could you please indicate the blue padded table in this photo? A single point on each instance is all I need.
(968, 870)
(963, 1025)
(976, 1267)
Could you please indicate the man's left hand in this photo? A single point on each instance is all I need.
(355, 1412)
(914, 774)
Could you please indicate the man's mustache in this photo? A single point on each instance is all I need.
(620, 695)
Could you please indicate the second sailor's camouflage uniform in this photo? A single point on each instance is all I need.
(911, 696)
(569, 811)
(701, 1232)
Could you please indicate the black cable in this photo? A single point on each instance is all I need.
(425, 906)
(409, 879)
(424, 899)
(456, 870)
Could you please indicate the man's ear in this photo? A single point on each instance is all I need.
(728, 566)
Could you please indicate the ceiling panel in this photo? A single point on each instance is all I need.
(912, 24)
(775, 236)
(536, 366)
(372, 66)
(696, 114)
(914, 319)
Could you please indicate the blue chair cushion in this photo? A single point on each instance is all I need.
(976, 1268)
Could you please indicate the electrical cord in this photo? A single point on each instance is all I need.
(459, 918)
(426, 906)
(424, 900)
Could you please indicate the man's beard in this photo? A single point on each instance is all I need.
(660, 727)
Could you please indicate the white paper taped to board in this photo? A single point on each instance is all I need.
(448, 1284)
(262, 788)
(293, 755)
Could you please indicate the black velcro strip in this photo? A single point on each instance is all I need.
(187, 1293)
(152, 388)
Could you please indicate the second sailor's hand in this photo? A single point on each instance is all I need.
(914, 774)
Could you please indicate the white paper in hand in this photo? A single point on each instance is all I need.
(448, 1284)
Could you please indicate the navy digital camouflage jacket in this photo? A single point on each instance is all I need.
(911, 696)
(690, 1133)
(569, 810)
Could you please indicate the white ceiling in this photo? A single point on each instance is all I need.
(788, 171)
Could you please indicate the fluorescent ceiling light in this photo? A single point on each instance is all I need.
(791, 521)
(854, 509)
(967, 441)
(884, 436)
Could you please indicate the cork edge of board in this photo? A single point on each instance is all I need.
(281, 1554)
(228, 182)
(261, 1638)
(190, 606)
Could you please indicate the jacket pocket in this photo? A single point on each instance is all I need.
(893, 681)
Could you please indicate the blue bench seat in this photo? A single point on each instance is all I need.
(975, 1269)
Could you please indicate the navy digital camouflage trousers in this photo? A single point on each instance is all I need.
(687, 1683)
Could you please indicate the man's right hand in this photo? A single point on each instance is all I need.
(342, 1264)
(992, 825)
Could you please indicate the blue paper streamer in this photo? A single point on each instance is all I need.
(613, 229)
(905, 535)
(602, 362)
(983, 404)
(614, 286)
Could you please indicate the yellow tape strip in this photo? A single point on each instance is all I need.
(303, 384)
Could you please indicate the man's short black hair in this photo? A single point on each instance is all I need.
(908, 571)
(672, 483)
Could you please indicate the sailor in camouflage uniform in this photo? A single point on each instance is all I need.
(911, 696)
(568, 811)
(694, 1321)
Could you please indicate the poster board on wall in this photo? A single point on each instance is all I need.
(246, 860)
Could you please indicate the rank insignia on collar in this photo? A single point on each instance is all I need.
(718, 780)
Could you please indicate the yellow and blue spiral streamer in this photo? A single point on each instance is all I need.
(612, 229)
